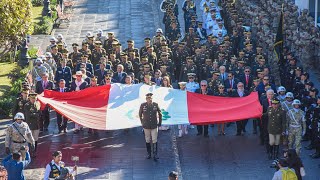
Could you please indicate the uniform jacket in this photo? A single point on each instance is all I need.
(276, 120)
(40, 89)
(18, 105)
(148, 115)
(65, 74)
(32, 115)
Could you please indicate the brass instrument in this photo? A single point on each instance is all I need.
(167, 5)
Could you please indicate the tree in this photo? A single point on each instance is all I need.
(15, 23)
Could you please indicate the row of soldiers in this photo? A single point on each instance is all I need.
(223, 60)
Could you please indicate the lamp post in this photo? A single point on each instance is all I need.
(46, 8)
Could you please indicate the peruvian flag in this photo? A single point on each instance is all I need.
(117, 106)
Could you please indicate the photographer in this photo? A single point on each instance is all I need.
(284, 171)
(15, 165)
(295, 163)
(56, 170)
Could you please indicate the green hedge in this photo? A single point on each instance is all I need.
(44, 26)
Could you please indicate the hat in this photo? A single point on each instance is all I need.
(53, 39)
(94, 78)
(256, 80)
(275, 101)
(98, 43)
(84, 55)
(123, 54)
(208, 60)
(191, 74)
(60, 36)
(149, 94)
(241, 62)
(78, 73)
(147, 39)
(309, 83)
(99, 31)
(130, 41)
(48, 54)
(89, 34)
(74, 45)
(33, 95)
(182, 83)
(110, 33)
(298, 68)
(215, 73)
(159, 30)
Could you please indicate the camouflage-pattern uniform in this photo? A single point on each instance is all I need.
(296, 125)
(14, 141)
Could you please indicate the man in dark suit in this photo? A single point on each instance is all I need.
(62, 124)
(63, 72)
(240, 92)
(40, 87)
(265, 82)
(246, 78)
(230, 84)
(205, 91)
(101, 72)
(120, 75)
(157, 78)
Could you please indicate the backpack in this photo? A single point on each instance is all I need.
(288, 174)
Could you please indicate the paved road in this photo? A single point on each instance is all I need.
(120, 154)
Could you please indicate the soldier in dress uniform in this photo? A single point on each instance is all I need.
(131, 48)
(296, 126)
(107, 45)
(128, 67)
(20, 102)
(18, 135)
(214, 82)
(84, 50)
(189, 67)
(56, 55)
(63, 72)
(32, 115)
(97, 53)
(192, 86)
(151, 118)
(276, 127)
(315, 129)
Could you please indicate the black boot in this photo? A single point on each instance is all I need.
(155, 152)
(270, 153)
(148, 145)
(276, 152)
(254, 126)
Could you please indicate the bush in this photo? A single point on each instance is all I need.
(32, 52)
(17, 76)
(44, 26)
(36, 2)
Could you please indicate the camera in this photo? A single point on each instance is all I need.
(74, 158)
(274, 164)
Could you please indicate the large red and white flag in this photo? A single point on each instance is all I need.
(117, 106)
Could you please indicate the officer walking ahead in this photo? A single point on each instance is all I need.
(150, 123)
(18, 135)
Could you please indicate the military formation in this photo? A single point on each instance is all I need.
(225, 49)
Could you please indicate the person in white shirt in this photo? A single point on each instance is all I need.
(183, 128)
(56, 169)
(192, 86)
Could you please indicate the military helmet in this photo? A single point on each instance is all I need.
(289, 95)
(281, 89)
(19, 115)
(296, 102)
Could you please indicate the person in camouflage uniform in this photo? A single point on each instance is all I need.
(18, 135)
(37, 71)
(296, 126)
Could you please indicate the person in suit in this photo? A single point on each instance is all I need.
(120, 75)
(157, 78)
(62, 121)
(246, 78)
(86, 76)
(240, 92)
(230, 83)
(221, 93)
(205, 91)
(63, 72)
(265, 82)
(40, 87)
(78, 84)
(223, 74)
(101, 72)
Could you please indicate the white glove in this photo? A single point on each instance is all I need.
(310, 126)
(303, 133)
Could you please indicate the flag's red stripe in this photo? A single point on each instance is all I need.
(204, 109)
(87, 107)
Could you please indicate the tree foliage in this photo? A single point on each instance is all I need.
(15, 23)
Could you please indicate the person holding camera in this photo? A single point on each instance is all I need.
(284, 172)
(276, 126)
(15, 165)
(56, 169)
(18, 135)
(148, 116)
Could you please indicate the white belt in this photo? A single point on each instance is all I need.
(295, 126)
